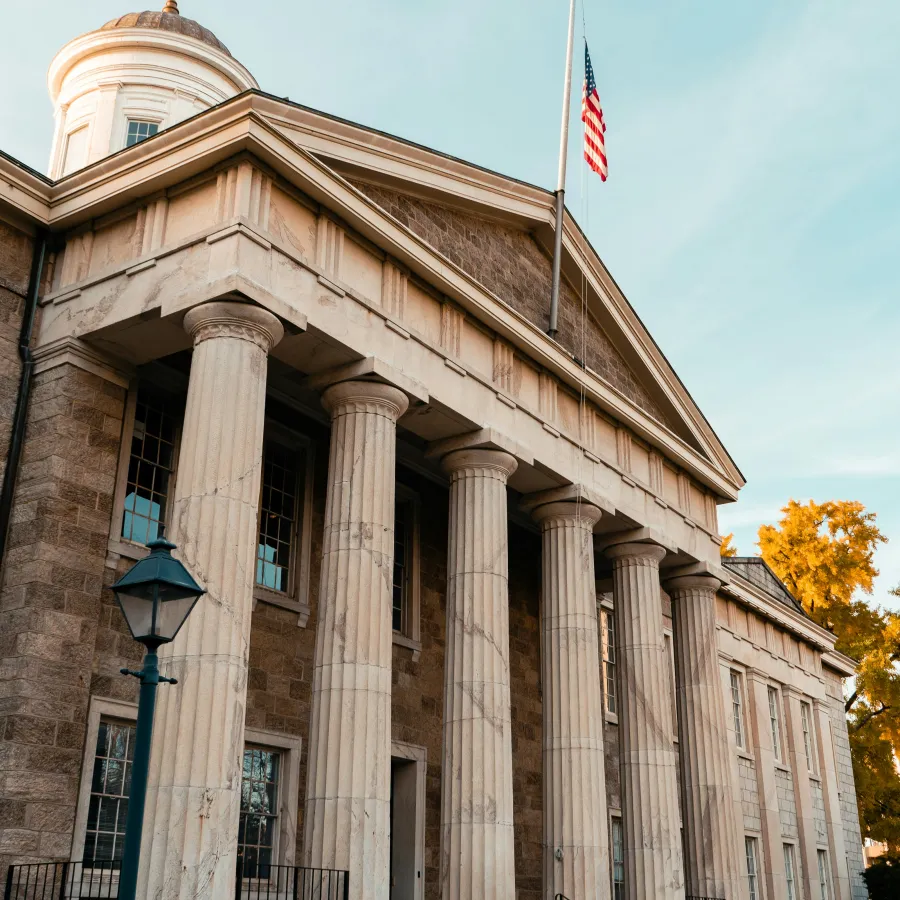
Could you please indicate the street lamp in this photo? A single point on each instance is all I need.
(156, 595)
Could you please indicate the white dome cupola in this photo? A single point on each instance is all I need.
(135, 76)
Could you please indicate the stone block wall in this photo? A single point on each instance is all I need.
(50, 605)
(510, 264)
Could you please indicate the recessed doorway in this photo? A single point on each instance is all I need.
(408, 764)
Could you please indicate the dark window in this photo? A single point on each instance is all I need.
(402, 525)
(139, 131)
(277, 517)
(149, 468)
(259, 812)
(110, 784)
(618, 859)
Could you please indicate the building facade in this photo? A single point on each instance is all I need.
(467, 633)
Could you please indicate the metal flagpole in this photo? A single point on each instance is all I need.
(561, 180)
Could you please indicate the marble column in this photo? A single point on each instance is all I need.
(707, 802)
(348, 787)
(576, 844)
(477, 853)
(653, 856)
(191, 823)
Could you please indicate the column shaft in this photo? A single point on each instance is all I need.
(707, 803)
(348, 793)
(653, 856)
(477, 852)
(191, 823)
(576, 846)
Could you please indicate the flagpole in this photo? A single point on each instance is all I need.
(561, 180)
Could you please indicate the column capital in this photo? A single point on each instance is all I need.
(481, 439)
(373, 370)
(231, 319)
(574, 493)
(581, 513)
(365, 396)
(683, 583)
(504, 464)
(643, 553)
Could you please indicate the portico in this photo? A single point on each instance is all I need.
(401, 496)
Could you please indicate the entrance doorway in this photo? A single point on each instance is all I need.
(408, 765)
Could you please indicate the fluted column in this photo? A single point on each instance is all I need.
(653, 856)
(191, 823)
(576, 846)
(477, 854)
(707, 804)
(348, 787)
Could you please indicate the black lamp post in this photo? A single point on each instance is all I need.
(156, 596)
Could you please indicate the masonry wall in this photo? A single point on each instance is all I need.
(510, 263)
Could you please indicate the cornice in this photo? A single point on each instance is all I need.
(801, 626)
(202, 142)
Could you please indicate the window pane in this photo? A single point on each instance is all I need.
(139, 131)
(737, 706)
(108, 806)
(259, 812)
(277, 517)
(775, 722)
(789, 871)
(618, 860)
(149, 468)
(608, 651)
(401, 566)
(750, 850)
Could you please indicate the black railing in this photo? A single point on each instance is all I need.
(99, 880)
(260, 881)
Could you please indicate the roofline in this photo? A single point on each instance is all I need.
(541, 199)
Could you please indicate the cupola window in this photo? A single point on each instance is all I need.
(139, 131)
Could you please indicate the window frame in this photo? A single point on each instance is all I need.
(751, 858)
(615, 821)
(826, 887)
(609, 673)
(99, 708)
(790, 868)
(669, 647)
(289, 749)
(82, 124)
(296, 597)
(411, 635)
(776, 722)
(139, 119)
(174, 387)
(807, 728)
(738, 708)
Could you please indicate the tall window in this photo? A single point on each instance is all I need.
(608, 649)
(618, 859)
(110, 784)
(139, 131)
(790, 872)
(278, 515)
(752, 867)
(150, 468)
(775, 722)
(259, 812)
(824, 876)
(808, 738)
(670, 662)
(402, 558)
(737, 708)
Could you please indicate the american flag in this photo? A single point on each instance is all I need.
(592, 116)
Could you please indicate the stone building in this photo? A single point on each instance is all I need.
(467, 633)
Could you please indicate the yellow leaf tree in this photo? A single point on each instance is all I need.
(727, 549)
(824, 553)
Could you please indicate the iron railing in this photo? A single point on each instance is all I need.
(99, 880)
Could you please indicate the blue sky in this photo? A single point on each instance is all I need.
(752, 214)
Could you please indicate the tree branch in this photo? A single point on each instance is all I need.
(853, 698)
(868, 718)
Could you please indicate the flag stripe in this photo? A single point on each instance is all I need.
(594, 124)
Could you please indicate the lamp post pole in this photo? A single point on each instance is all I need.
(140, 767)
(156, 595)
